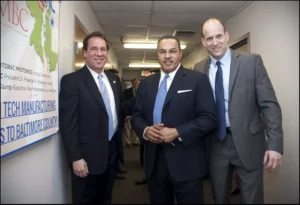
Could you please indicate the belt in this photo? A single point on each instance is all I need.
(228, 130)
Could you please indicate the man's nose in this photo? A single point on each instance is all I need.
(168, 55)
(99, 52)
(214, 42)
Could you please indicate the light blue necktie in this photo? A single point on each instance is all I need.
(220, 102)
(105, 97)
(159, 101)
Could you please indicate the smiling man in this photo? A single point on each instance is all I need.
(90, 124)
(247, 111)
(174, 112)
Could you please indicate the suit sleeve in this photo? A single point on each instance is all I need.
(68, 118)
(269, 107)
(206, 118)
(138, 121)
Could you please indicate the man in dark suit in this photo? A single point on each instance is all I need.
(90, 119)
(129, 94)
(174, 112)
(247, 110)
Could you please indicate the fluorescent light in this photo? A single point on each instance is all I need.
(145, 45)
(79, 64)
(140, 45)
(80, 44)
(144, 65)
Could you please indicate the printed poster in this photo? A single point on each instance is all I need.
(29, 73)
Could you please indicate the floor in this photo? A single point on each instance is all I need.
(125, 192)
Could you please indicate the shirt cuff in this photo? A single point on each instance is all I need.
(144, 136)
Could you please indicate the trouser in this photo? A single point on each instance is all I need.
(223, 159)
(162, 187)
(96, 188)
(127, 131)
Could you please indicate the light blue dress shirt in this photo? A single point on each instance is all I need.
(225, 64)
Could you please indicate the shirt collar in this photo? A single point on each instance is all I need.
(224, 60)
(171, 74)
(95, 74)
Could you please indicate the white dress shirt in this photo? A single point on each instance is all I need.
(110, 94)
(170, 78)
(169, 82)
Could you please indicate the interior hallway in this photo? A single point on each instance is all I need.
(125, 192)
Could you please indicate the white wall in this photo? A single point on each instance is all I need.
(38, 174)
(274, 33)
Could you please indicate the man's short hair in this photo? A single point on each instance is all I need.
(94, 34)
(212, 19)
(112, 70)
(170, 37)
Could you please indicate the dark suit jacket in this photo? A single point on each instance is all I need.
(128, 93)
(253, 108)
(192, 113)
(84, 121)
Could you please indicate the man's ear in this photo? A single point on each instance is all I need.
(203, 42)
(227, 35)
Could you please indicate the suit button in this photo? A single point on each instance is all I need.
(105, 140)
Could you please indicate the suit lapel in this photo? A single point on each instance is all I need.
(153, 89)
(174, 85)
(114, 87)
(234, 67)
(90, 82)
(206, 68)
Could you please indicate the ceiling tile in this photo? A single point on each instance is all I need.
(123, 18)
(156, 31)
(180, 21)
(210, 8)
(111, 29)
(121, 6)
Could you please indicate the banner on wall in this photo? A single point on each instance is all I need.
(29, 73)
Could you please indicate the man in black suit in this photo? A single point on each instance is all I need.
(174, 112)
(90, 119)
(129, 94)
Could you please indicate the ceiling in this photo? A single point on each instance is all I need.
(146, 21)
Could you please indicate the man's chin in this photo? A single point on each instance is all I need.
(168, 69)
(101, 66)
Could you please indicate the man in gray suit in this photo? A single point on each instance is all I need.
(247, 111)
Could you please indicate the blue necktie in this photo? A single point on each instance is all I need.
(105, 97)
(159, 101)
(220, 102)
